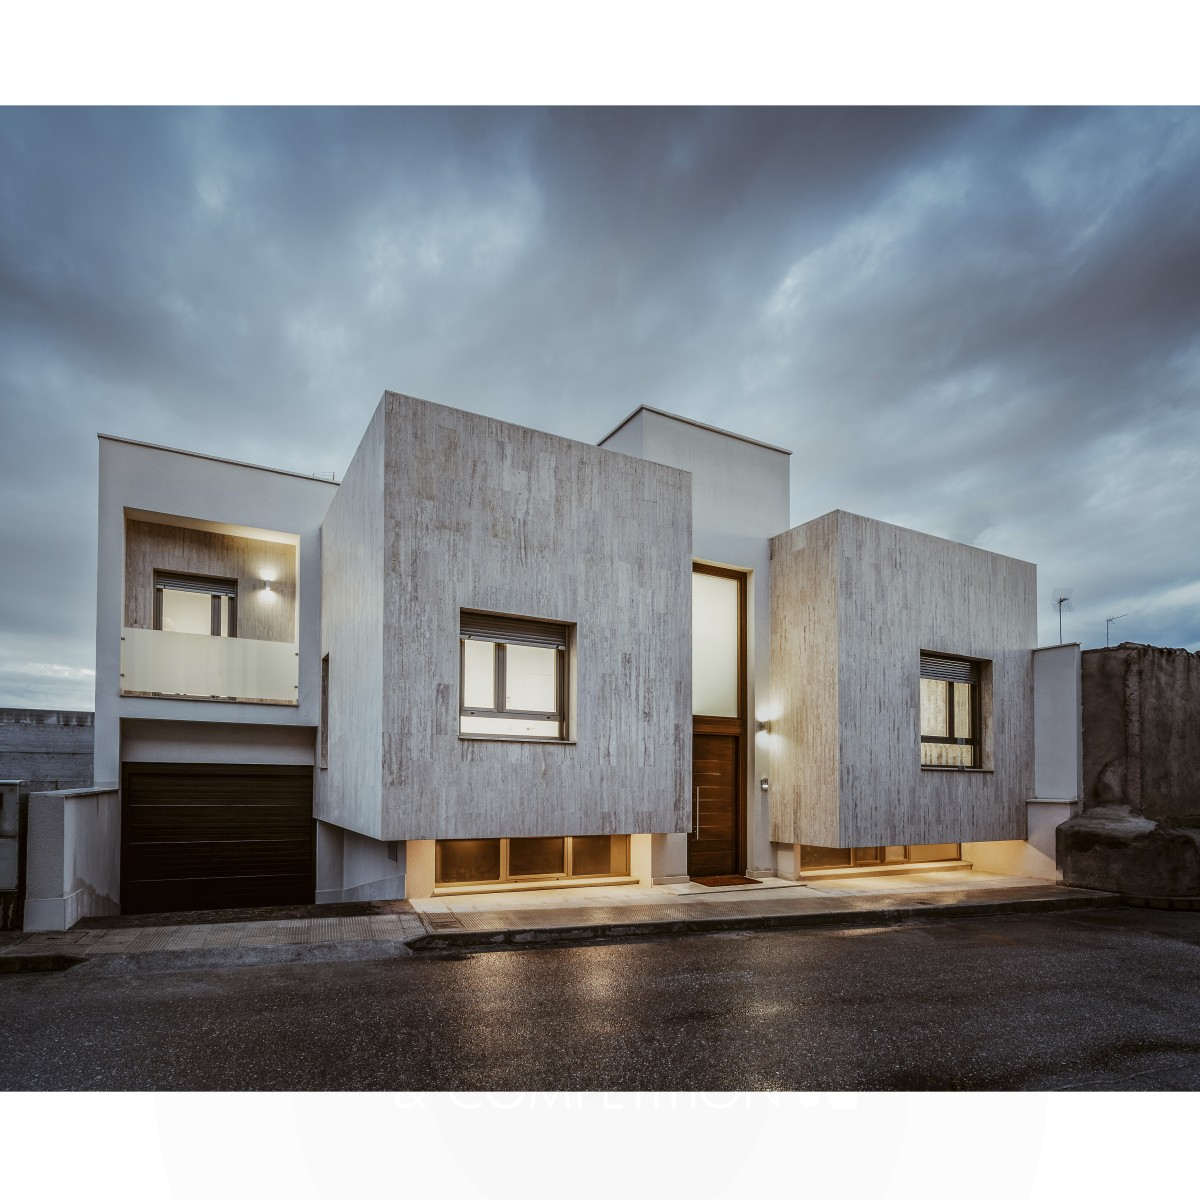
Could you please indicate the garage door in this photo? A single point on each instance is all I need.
(207, 836)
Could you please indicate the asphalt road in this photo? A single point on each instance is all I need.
(1106, 999)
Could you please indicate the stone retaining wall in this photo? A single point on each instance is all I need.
(1139, 833)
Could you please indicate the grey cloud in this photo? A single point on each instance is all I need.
(983, 323)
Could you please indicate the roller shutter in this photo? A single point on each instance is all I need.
(199, 835)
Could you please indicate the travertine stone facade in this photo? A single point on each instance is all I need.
(480, 514)
(854, 603)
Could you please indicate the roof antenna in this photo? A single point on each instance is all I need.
(1108, 624)
(1062, 600)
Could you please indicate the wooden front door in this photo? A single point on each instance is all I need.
(713, 842)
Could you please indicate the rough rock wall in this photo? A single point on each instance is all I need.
(1141, 731)
(1139, 833)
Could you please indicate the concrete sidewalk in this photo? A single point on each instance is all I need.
(583, 914)
(555, 915)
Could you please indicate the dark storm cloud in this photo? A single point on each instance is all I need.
(982, 323)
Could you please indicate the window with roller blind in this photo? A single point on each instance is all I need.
(195, 604)
(513, 679)
(951, 712)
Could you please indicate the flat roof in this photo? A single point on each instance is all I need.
(741, 437)
(233, 462)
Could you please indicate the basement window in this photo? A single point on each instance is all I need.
(951, 712)
(475, 861)
(512, 678)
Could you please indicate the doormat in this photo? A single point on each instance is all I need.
(723, 880)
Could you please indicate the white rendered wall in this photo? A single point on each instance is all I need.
(73, 857)
(740, 499)
(237, 498)
(368, 870)
(208, 742)
(352, 565)
(1057, 723)
(1057, 769)
(353, 867)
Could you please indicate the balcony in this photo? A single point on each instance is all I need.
(194, 666)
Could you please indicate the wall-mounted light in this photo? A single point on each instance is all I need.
(266, 585)
(762, 726)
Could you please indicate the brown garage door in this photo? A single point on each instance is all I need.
(207, 836)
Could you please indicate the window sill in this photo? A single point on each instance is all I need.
(496, 737)
(960, 770)
(531, 885)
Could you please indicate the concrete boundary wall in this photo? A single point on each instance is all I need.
(11, 822)
(48, 749)
(73, 857)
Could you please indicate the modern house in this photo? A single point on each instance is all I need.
(495, 658)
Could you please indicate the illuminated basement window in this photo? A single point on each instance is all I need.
(462, 861)
(950, 712)
(513, 678)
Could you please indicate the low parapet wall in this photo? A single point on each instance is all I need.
(73, 857)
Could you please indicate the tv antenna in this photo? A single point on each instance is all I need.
(1061, 601)
(1108, 624)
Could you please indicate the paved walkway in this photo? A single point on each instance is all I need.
(520, 918)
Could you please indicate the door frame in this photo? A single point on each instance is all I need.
(732, 726)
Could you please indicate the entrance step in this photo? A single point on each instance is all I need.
(950, 864)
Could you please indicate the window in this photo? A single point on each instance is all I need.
(323, 760)
(950, 712)
(510, 860)
(195, 604)
(513, 677)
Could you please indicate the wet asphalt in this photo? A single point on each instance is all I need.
(1102, 1000)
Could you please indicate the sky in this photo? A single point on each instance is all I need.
(981, 323)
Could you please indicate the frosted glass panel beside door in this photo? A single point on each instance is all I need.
(714, 646)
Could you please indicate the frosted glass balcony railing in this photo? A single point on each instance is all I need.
(161, 662)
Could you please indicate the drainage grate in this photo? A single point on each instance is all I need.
(439, 922)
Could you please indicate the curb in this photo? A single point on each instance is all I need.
(457, 939)
(1165, 903)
